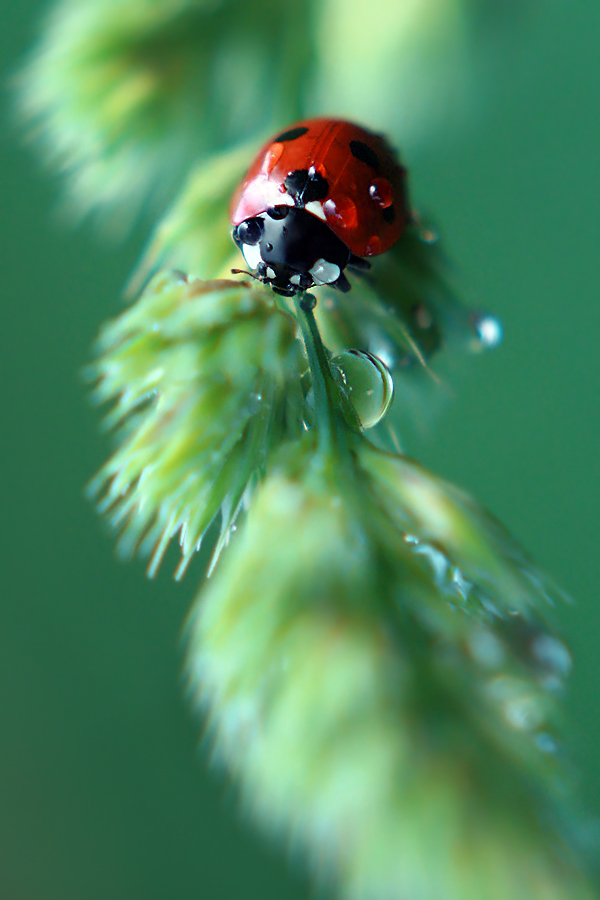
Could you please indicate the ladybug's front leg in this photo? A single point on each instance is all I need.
(342, 284)
(357, 262)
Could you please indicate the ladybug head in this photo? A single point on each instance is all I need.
(292, 250)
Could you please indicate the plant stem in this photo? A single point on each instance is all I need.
(322, 381)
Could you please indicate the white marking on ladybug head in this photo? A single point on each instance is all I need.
(324, 272)
(295, 279)
(270, 272)
(316, 208)
(252, 255)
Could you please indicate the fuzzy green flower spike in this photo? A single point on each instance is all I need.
(374, 654)
(377, 669)
(204, 377)
(374, 701)
(124, 96)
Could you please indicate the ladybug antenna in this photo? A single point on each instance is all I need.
(244, 272)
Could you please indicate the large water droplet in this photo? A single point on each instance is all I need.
(368, 383)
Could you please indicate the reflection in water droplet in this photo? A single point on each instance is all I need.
(368, 383)
(428, 236)
(384, 352)
(489, 331)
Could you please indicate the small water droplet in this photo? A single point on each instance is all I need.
(460, 583)
(438, 560)
(551, 653)
(429, 236)
(368, 383)
(381, 191)
(343, 212)
(179, 276)
(552, 684)
(308, 301)
(167, 279)
(524, 712)
(422, 317)
(546, 743)
(255, 401)
(486, 649)
(489, 607)
(374, 246)
(489, 331)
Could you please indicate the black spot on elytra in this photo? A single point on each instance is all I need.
(306, 185)
(290, 135)
(389, 214)
(366, 154)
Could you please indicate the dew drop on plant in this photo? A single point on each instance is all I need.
(368, 383)
(551, 654)
(546, 743)
(429, 236)
(485, 648)
(488, 330)
(308, 302)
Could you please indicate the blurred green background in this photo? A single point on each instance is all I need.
(102, 793)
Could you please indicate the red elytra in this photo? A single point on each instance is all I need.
(366, 204)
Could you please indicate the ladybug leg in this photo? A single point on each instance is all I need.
(357, 262)
(342, 284)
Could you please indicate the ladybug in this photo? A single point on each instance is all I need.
(318, 197)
